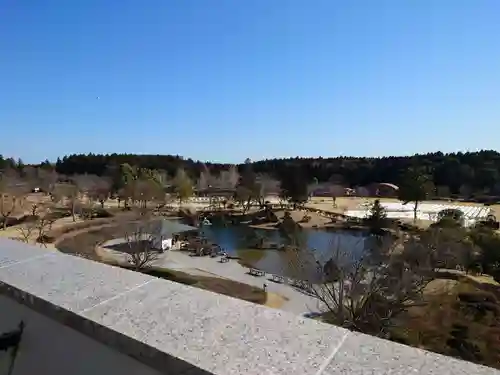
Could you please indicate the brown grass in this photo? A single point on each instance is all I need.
(275, 300)
(434, 326)
(440, 287)
(217, 285)
(84, 240)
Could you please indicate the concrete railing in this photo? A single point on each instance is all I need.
(84, 317)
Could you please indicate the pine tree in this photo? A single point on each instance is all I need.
(377, 219)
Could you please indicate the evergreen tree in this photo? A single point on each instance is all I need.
(377, 219)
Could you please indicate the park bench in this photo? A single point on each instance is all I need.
(278, 278)
(256, 272)
(294, 282)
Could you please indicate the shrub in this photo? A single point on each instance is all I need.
(58, 214)
(11, 221)
(93, 213)
(451, 214)
(102, 213)
(477, 297)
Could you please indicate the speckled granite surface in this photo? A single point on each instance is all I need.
(183, 330)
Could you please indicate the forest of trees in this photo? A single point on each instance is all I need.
(464, 174)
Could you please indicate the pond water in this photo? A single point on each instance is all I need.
(240, 241)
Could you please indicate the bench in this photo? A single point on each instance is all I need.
(256, 272)
(278, 278)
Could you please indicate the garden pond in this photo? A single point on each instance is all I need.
(242, 241)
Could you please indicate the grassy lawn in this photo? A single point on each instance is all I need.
(214, 284)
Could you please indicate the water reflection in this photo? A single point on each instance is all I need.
(241, 241)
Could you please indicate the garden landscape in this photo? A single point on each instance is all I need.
(404, 248)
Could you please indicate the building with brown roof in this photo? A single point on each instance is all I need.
(383, 189)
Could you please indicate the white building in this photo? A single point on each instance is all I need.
(164, 231)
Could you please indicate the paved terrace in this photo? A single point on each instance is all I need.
(177, 329)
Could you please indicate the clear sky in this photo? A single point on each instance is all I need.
(224, 80)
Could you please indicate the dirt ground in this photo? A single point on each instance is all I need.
(274, 300)
(342, 204)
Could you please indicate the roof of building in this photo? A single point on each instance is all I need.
(169, 227)
(389, 185)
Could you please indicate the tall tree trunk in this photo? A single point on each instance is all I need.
(415, 208)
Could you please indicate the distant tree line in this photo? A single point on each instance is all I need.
(464, 174)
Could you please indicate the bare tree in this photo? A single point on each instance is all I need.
(204, 180)
(365, 292)
(229, 179)
(25, 232)
(336, 191)
(36, 228)
(43, 226)
(30, 176)
(447, 247)
(243, 196)
(183, 185)
(86, 187)
(233, 177)
(124, 195)
(8, 204)
(266, 186)
(47, 179)
(71, 195)
(12, 192)
(163, 178)
(141, 238)
(145, 190)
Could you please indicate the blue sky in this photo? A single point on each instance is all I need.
(224, 80)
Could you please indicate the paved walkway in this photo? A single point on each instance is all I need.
(298, 302)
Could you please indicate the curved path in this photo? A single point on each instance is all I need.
(297, 302)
